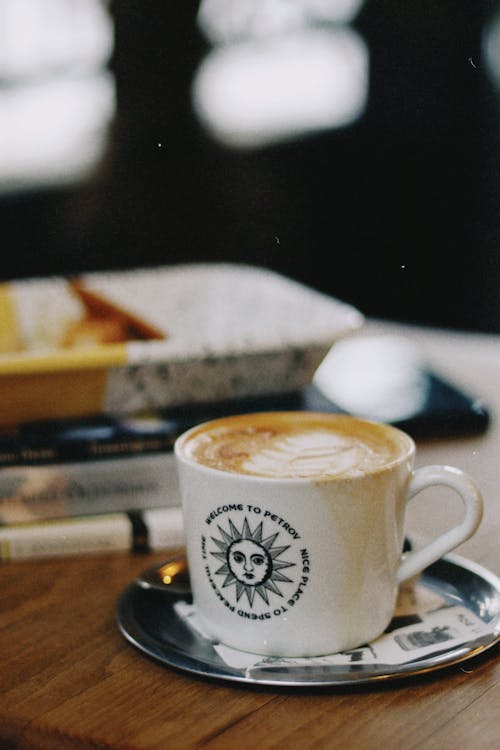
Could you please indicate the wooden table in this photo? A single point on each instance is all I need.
(68, 679)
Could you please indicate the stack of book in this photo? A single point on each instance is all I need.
(98, 484)
(120, 342)
(90, 485)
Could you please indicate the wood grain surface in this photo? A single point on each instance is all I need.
(70, 680)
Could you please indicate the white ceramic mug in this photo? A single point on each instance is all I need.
(303, 563)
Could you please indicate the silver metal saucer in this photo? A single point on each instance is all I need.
(152, 622)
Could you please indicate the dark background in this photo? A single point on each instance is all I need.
(396, 213)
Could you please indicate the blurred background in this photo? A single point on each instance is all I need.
(352, 145)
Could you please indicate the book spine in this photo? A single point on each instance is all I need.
(153, 529)
(23, 452)
(35, 493)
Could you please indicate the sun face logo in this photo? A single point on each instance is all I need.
(250, 561)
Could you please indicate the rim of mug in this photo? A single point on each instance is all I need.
(408, 449)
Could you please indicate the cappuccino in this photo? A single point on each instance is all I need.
(294, 526)
(295, 445)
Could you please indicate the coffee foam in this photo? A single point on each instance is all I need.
(294, 445)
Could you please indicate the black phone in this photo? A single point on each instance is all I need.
(384, 377)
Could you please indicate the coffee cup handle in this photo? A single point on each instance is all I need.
(428, 476)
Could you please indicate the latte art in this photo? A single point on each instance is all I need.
(313, 453)
(294, 445)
